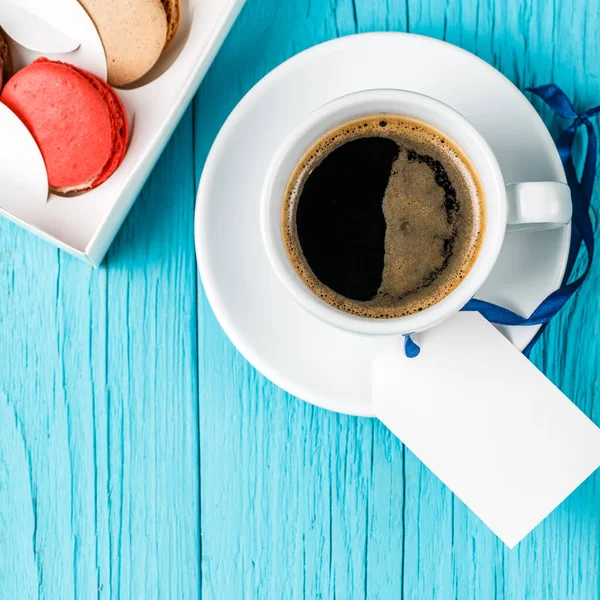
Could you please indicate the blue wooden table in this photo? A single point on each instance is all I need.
(142, 457)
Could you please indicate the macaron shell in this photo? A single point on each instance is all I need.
(5, 60)
(173, 12)
(67, 117)
(119, 124)
(133, 32)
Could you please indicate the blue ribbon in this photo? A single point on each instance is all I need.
(581, 231)
(411, 349)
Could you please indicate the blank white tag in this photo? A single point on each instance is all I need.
(489, 424)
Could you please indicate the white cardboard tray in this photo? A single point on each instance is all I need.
(85, 225)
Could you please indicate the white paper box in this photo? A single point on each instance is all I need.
(86, 225)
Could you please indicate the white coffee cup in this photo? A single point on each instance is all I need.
(531, 205)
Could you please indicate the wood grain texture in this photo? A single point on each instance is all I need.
(142, 457)
(98, 406)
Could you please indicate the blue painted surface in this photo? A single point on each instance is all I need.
(142, 457)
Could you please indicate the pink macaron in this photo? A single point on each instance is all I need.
(77, 120)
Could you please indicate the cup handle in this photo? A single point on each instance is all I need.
(538, 205)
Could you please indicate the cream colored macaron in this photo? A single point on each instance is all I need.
(133, 32)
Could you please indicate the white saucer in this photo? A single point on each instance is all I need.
(308, 358)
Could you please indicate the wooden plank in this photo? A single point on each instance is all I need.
(289, 506)
(152, 478)
(270, 464)
(105, 421)
(557, 46)
(449, 552)
(98, 411)
(36, 528)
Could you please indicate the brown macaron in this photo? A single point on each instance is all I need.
(173, 12)
(5, 60)
(133, 33)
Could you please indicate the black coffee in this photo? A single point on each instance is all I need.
(383, 217)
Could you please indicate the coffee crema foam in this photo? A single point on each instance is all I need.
(383, 217)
